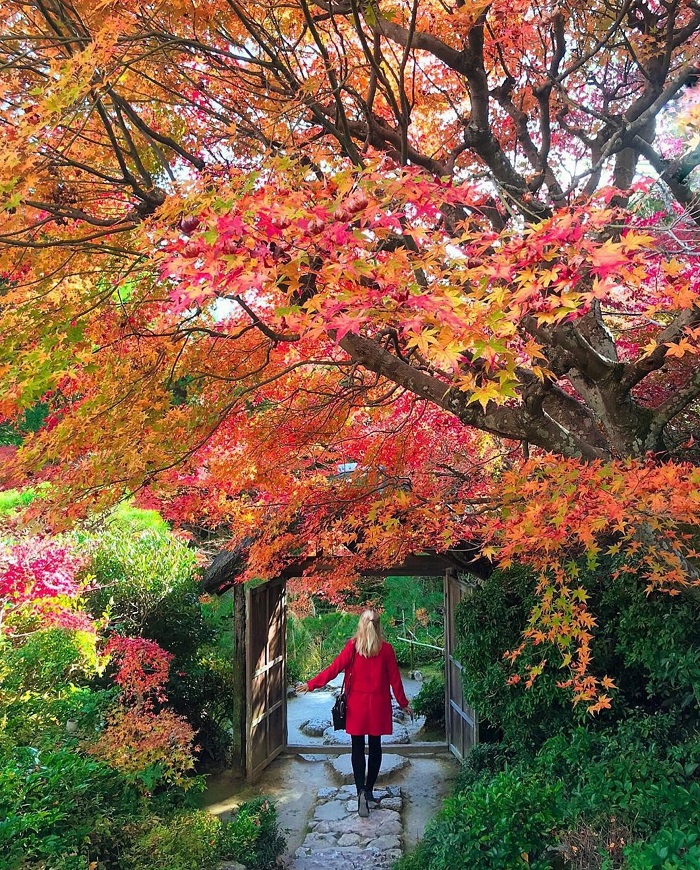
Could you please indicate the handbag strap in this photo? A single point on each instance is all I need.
(345, 672)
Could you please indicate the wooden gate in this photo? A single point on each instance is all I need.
(266, 686)
(461, 724)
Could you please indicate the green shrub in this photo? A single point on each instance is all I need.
(641, 771)
(253, 837)
(490, 622)
(187, 840)
(313, 642)
(621, 791)
(508, 822)
(675, 849)
(141, 576)
(481, 764)
(430, 702)
(147, 581)
(649, 644)
(14, 498)
(303, 651)
(413, 607)
(60, 810)
(45, 684)
(134, 520)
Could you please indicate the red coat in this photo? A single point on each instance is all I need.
(367, 682)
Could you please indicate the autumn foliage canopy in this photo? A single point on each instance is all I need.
(363, 278)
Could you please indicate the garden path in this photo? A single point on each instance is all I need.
(339, 839)
(293, 783)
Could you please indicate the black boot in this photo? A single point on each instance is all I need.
(362, 805)
(372, 801)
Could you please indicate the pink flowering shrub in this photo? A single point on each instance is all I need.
(40, 587)
(38, 568)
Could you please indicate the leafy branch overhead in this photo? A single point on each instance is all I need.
(362, 278)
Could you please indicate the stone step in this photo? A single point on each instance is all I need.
(342, 767)
(340, 839)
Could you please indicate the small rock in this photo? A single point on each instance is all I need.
(400, 735)
(384, 843)
(336, 738)
(392, 803)
(331, 812)
(349, 840)
(314, 727)
(325, 794)
(314, 840)
(231, 865)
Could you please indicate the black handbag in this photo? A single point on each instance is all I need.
(340, 708)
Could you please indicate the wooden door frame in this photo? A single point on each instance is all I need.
(467, 715)
(243, 672)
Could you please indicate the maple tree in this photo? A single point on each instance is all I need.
(362, 277)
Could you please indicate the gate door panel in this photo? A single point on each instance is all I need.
(266, 708)
(460, 719)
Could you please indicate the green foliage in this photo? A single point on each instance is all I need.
(490, 622)
(146, 580)
(47, 657)
(642, 769)
(59, 810)
(253, 837)
(410, 606)
(659, 639)
(134, 520)
(430, 702)
(187, 840)
(507, 822)
(413, 607)
(625, 786)
(313, 642)
(30, 421)
(10, 499)
(139, 576)
(64, 805)
(675, 849)
(483, 762)
(44, 684)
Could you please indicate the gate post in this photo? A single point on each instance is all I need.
(239, 677)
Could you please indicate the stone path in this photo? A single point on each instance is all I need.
(339, 839)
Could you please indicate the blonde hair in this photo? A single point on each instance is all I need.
(368, 637)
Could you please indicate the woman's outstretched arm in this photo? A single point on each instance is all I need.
(340, 663)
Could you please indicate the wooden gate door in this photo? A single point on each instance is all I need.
(460, 719)
(265, 653)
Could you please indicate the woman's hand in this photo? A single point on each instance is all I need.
(301, 688)
(410, 711)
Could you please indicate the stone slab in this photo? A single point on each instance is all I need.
(342, 767)
(332, 811)
(342, 738)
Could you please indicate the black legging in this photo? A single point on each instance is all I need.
(358, 760)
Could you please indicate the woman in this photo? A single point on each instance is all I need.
(370, 669)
